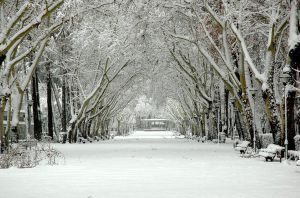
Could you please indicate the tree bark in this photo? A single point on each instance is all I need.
(2, 146)
(49, 103)
(226, 114)
(35, 108)
(291, 120)
(63, 110)
(294, 54)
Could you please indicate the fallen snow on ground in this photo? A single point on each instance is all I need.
(152, 168)
(151, 135)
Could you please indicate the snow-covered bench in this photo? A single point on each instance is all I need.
(96, 138)
(201, 139)
(271, 151)
(90, 139)
(294, 154)
(242, 147)
(82, 140)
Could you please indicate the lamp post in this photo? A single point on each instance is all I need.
(285, 77)
(253, 91)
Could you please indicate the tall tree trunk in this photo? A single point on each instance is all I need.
(49, 104)
(8, 125)
(239, 125)
(291, 120)
(28, 110)
(226, 114)
(294, 54)
(38, 102)
(63, 110)
(35, 108)
(55, 96)
(248, 114)
(118, 127)
(2, 146)
(291, 98)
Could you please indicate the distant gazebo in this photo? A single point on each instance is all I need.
(155, 124)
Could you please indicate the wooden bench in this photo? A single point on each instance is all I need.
(271, 152)
(242, 147)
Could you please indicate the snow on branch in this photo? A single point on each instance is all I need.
(294, 37)
(213, 64)
(213, 14)
(34, 64)
(26, 29)
(225, 60)
(260, 77)
(13, 21)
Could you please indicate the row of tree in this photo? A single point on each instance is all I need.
(62, 46)
(223, 49)
(198, 58)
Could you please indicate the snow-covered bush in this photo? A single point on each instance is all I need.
(297, 142)
(266, 139)
(24, 158)
(18, 157)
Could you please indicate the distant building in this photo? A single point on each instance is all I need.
(157, 124)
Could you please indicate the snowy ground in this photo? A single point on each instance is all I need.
(150, 135)
(152, 167)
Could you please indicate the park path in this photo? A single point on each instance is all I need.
(166, 167)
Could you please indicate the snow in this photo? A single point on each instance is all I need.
(295, 154)
(264, 86)
(294, 38)
(152, 167)
(5, 91)
(297, 137)
(286, 69)
(151, 135)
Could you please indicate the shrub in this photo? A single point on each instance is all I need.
(297, 142)
(23, 158)
(266, 139)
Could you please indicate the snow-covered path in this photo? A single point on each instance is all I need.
(144, 168)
